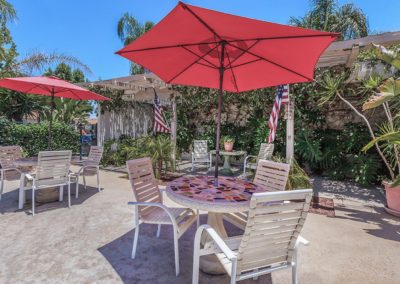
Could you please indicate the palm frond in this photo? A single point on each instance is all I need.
(7, 11)
(39, 61)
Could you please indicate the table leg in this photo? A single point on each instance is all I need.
(227, 166)
(210, 263)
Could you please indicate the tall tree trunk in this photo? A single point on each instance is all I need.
(371, 132)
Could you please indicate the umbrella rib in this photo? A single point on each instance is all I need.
(274, 63)
(227, 40)
(243, 52)
(233, 73)
(244, 63)
(190, 65)
(200, 20)
(194, 53)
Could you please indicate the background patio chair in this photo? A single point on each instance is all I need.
(200, 154)
(52, 171)
(149, 207)
(270, 239)
(273, 176)
(265, 153)
(90, 166)
(8, 171)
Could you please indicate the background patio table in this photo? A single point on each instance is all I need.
(227, 170)
(199, 192)
(27, 165)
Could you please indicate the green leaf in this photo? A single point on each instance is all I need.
(389, 56)
(391, 137)
(388, 90)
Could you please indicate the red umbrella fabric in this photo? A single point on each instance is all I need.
(46, 86)
(49, 86)
(200, 47)
(185, 48)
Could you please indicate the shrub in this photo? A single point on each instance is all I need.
(34, 137)
(158, 148)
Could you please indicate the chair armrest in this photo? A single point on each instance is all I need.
(155, 204)
(302, 241)
(248, 157)
(219, 242)
(29, 177)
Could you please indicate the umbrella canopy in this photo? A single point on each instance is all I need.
(200, 47)
(49, 86)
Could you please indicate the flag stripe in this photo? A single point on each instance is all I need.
(160, 125)
(282, 98)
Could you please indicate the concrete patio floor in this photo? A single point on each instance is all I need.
(91, 242)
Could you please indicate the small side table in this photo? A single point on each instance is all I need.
(227, 170)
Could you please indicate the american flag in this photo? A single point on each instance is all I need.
(160, 125)
(282, 98)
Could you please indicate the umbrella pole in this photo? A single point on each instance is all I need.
(220, 97)
(51, 119)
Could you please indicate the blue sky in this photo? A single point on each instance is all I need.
(87, 28)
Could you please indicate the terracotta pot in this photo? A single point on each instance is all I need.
(228, 146)
(393, 198)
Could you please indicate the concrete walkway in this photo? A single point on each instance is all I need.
(91, 242)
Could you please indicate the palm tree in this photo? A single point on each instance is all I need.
(129, 29)
(7, 11)
(326, 15)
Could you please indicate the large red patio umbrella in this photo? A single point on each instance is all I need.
(51, 86)
(200, 47)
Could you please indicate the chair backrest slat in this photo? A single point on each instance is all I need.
(53, 167)
(8, 154)
(95, 155)
(143, 182)
(266, 151)
(200, 148)
(272, 175)
(275, 220)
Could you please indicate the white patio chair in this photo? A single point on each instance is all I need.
(52, 171)
(265, 153)
(273, 176)
(90, 166)
(8, 171)
(149, 207)
(200, 154)
(270, 240)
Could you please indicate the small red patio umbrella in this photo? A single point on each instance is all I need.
(49, 86)
(200, 47)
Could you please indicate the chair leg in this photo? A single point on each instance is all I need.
(294, 267)
(21, 198)
(69, 195)
(135, 241)
(61, 193)
(98, 179)
(2, 177)
(33, 201)
(158, 230)
(77, 186)
(84, 179)
(233, 272)
(196, 263)
(176, 249)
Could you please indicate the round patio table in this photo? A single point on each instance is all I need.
(198, 192)
(227, 170)
(28, 165)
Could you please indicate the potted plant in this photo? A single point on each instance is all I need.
(228, 143)
(392, 188)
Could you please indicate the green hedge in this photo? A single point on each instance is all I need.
(34, 137)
